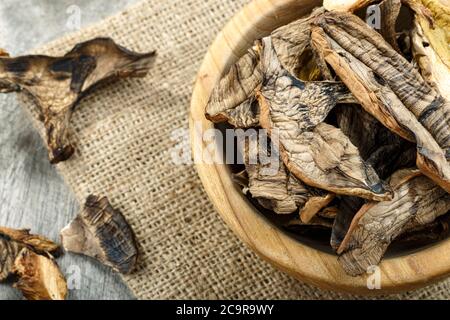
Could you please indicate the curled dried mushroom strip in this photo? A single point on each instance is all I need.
(56, 84)
(39, 277)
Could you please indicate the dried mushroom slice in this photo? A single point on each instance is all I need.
(27, 260)
(389, 88)
(101, 232)
(38, 243)
(319, 154)
(9, 250)
(56, 84)
(236, 89)
(245, 115)
(39, 277)
(275, 188)
(416, 200)
(291, 42)
(390, 10)
(233, 99)
(361, 81)
(12, 241)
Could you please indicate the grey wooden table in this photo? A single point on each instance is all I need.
(31, 192)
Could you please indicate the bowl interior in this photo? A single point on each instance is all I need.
(314, 237)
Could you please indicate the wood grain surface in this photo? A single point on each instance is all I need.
(303, 262)
(32, 194)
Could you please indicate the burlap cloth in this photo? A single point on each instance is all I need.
(123, 135)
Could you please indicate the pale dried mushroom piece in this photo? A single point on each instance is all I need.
(101, 232)
(27, 260)
(245, 115)
(316, 153)
(389, 88)
(437, 32)
(274, 187)
(56, 84)
(417, 200)
(12, 241)
(432, 68)
(39, 277)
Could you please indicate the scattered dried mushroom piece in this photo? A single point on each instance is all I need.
(27, 259)
(56, 84)
(432, 66)
(39, 277)
(389, 114)
(101, 232)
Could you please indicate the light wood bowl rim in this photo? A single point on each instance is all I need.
(301, 261)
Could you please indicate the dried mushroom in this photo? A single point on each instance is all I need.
(347, 208)
(27, 260)
(233, 99)
(346, 107)
(277, 189)
(233, 96)
(39, 277)
(437, 32)
(101, 232)
(56, 84)
(417, 200)
(317, 153)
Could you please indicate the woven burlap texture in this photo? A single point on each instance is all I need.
(123, 135)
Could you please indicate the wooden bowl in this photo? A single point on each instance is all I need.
(303, 262)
